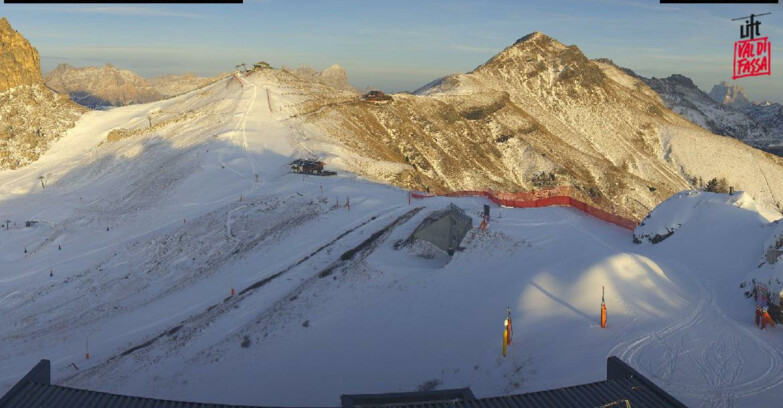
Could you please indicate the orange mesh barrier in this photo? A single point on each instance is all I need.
(562, 195)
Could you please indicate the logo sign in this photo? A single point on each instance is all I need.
(752, 55)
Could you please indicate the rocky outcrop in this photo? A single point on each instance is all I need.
(334, 76)
(728, 94)
(19, 61)
(101, 86)
(32, 117)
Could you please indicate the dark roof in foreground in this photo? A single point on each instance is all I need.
(624, 387)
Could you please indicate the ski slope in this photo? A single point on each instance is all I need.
(145, 238)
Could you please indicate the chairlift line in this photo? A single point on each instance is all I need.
(754, 15)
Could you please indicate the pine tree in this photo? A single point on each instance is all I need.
(712, 186)
(723, 185)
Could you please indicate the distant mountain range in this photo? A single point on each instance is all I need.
(108, 85)
(725, 111)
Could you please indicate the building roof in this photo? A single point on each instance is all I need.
(624, 387)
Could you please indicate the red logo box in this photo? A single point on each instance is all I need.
(752, 58)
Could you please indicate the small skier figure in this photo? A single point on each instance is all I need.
(758, 315)
(59, 248)
(51, 273)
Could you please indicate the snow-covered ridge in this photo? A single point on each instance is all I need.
(678, 211)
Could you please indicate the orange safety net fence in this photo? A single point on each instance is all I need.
(562, 195)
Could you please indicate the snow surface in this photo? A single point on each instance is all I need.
(156, 229)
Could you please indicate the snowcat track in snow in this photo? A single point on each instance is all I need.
(325, 272)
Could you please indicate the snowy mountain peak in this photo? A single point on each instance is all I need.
(535, 36)
(537, 55)
(535, 42)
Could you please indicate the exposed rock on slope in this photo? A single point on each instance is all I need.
(333, 76)
(110, 86)
(19, 61)
(539, 106)
(31, 116)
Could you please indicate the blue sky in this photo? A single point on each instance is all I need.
(395, 45)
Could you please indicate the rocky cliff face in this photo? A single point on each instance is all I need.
(110, 86)
(19, 61)
(728, 94)
(101, 86)
(32, 117)
(334, 76)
